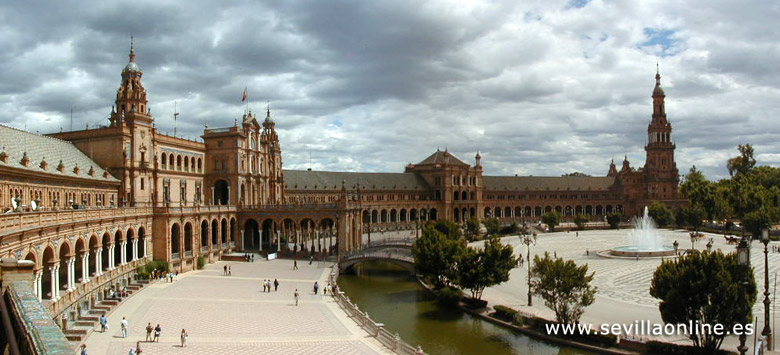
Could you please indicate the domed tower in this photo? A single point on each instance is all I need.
(660, 168)
(131, 102)
(272, 160)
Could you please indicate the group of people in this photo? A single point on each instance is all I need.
(250, 258)
(163, 276)
(267, 285)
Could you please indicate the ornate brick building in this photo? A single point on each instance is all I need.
(88, 206)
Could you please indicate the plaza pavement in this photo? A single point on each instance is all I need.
(231, 314)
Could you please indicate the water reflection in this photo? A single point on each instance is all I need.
(391, 296)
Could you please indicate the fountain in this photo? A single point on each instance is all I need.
(643, 240)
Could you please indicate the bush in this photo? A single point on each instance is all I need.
(449, 297)
(505, 313)
(201, 262)
(474, 303)
(149, 268)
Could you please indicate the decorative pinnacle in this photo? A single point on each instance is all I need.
(132, 49)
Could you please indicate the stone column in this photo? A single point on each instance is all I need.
(99, 262)
(37, 282)
(228, 196)
(71, 273)
(55, 281)
(135, 249)
(144, 246)
(243, 239)
(85, 269)
(111, 256)
(123, 253)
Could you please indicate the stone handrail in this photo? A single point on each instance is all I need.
(196, 209)
(14, 222)
(35, 331)
(376, 330)
(84, 289)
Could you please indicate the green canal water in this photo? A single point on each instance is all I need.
(391, 296)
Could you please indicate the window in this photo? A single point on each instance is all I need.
(219, 143)
(142, 183)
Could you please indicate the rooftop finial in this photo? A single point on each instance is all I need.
(132, 49)
(268, 109)
(657, 74)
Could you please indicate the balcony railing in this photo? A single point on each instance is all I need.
(14, 222)
(174, 256)
(188, 254)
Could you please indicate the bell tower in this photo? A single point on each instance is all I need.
(272, 161)
(131, 102)
(660, 168)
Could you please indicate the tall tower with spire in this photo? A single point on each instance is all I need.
(660, 168)
(272, 154)
(131, 102)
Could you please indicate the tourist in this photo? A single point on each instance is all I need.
(157, 331)
(123, 325)
(176, 275)
(276, 285)
(138, 350)
(83, 349)
(224, 270)
(149, 329)
(295, 264)
(131, 351)
(296, 296)
(311, 259)
(316, 287)
(325, 290)
(184, 338)
(230, 272)
(103, 323)
(253, 257)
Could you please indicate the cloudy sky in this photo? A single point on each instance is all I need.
(539, 87)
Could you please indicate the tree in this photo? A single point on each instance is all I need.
(564, 286)
(580, 221)
(435, 255)
(472, 229)
(756, 221)
(492, 225)
(551, 219)
(614, 220)
(498, 260)
(679, 217)
(694, 215)
(471, 272)
(743, 163)
(661, 214)
(449, 229)
(577, 174)
(706, 289)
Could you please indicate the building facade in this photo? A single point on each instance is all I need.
(82, 204)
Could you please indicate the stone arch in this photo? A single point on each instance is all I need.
(403, 217)
(221, 192)
(473, 195)
(383, 217)
(186, 164)
(200, 165)
(204, 235)
(66, 253)
(106, 243)
(48, 262)
(567, 211)
(433, 214)
(393, 215)
(464, 196)
(423, 214)
(269, 230)
(141, 242)
(224, 232)
(589, 210)
(188, 237)
(374, 216)
(413, 215)
(366, 217)
(214, 233)
(599, 210)
(497, 212)
(518, 211)
(175, 240)
(251, 234)
(456, 195)
(507, 212)
(117, 248)
(178, 162)
(129, 248)
(488, 212)
(578, 209)
(80, 249)
(164, 160)
(609, 209)
(548, 209)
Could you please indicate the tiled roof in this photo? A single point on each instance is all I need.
(331, 180)
(440, 157)
(15, 143)
(548, 183)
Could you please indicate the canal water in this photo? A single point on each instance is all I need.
(393, 297)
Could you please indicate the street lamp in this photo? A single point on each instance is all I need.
(767, 332)
(528, 240)
(694, 238)
(743, 260)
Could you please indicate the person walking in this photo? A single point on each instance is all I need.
(103, 323)
(316, 287)
(296, 295)
(276, 285)
(138, 350)
(230, 272)
(123, 325)
(224, 270)
(149, 329)
(184, 338)
(311, 259)
(83, 349)
(157, 331)
(295, 264)
(131, 351)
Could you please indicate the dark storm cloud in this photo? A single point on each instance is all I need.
(539, 87)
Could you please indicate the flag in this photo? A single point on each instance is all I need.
(245, 96)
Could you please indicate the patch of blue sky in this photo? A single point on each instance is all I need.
(661, 42)
(577, 3)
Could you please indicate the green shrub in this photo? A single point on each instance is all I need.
(505, 313)
(449, 297)
(201, 262)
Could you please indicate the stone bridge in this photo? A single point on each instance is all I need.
(396, 251)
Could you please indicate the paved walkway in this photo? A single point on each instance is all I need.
(231, 314)
(623, 284)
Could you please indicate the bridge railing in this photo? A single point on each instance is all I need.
(377, 330)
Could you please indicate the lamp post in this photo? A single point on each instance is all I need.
(743, 260)
(528, 239)
(767, 332)
(694, 237)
